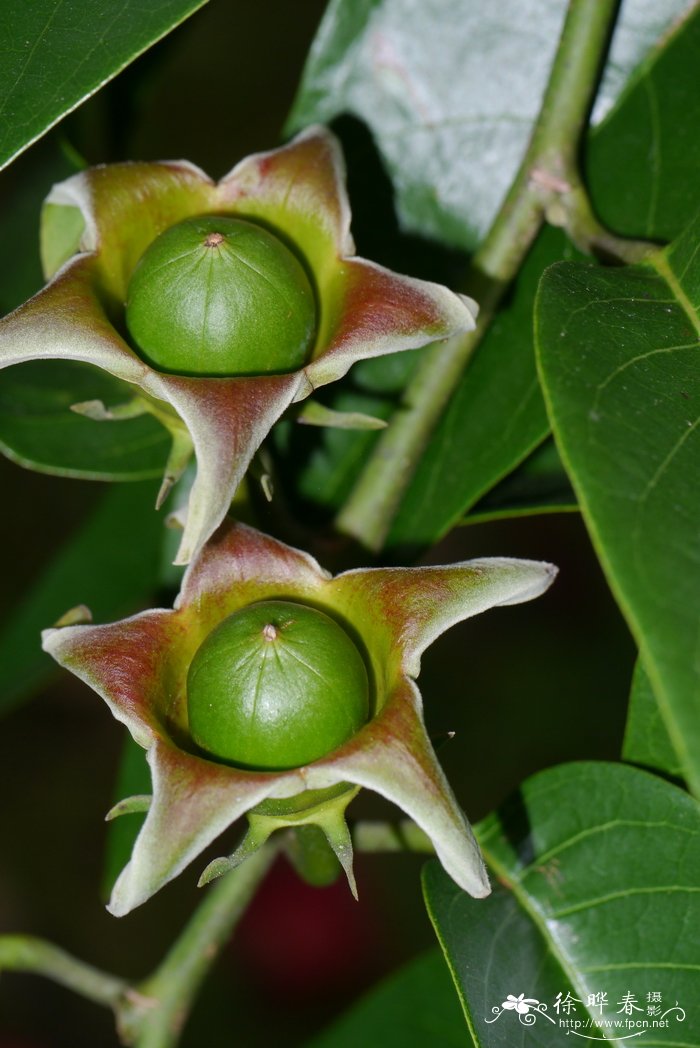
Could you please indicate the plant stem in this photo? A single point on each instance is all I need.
(24, 953)
(151, 1014)
(547, 177)
(154, 1013)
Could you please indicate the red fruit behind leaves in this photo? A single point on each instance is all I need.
(303, 942)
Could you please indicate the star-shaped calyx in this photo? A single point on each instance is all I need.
(98, 225)
(140, 668)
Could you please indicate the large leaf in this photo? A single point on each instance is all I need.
(416, 1007)
(495, 417)
(472, 448)
(450, 90)
(646, 738)
(539, 485)
(619, 354)
(111, 565)
(597, 891)
(37, 427)
(643, 160)
(39, 430)
(56, 53)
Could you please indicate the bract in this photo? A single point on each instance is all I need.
(139, 666)
(97, 225)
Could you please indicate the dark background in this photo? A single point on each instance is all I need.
(523, 687)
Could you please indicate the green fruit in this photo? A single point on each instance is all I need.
(221, 296)
(276, 685)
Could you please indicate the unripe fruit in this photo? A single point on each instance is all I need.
(276, 685)
(221, 296)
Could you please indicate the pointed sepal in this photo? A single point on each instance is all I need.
(393, 757)
(136, 805)
(194, 801)
(313, 413)
(413, 606)
(324, 813)
(97, 225)
(140, 668)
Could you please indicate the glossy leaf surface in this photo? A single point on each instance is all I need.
(642, 162)
(538, 485)
(56, 53)
(619, 351)
(647, 740)
(415, 75)
(39, 430)
(417, 1006)
(598, 892)
(97, 568)
(495, 417)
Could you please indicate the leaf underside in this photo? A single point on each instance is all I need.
(496, 416)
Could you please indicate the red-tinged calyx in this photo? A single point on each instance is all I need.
(390, 615)
(276, 685)
(99, 224)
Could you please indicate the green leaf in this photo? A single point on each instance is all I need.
(472, 449)
(417, 1006)
(452, 117)
(321, 468)
(101, 567)
(491, 424)
(539, 485)
(619, 358)
(495, 419)
(646, 738)
(597, 891)
(39, 430)
(56, 53)
(501, 383)
(643, 160)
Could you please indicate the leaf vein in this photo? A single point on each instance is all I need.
(601, 900)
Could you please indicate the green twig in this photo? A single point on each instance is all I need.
(547, 186)
(23, 953)
(153, 1013)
